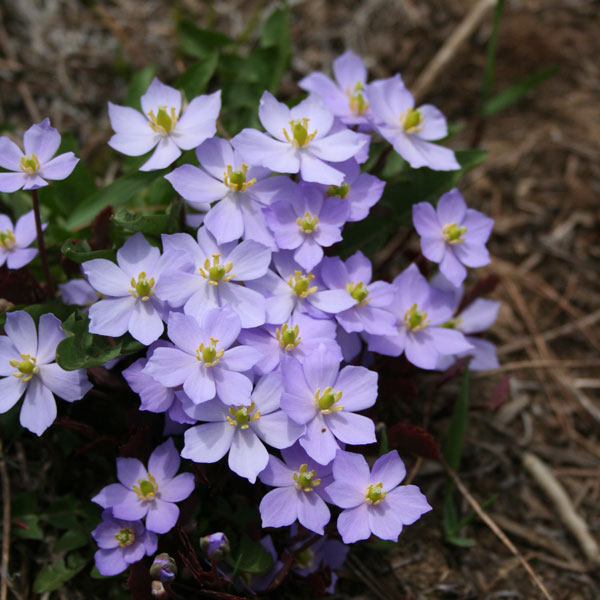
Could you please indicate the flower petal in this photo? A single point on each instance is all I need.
(353, 524)
(11, 390)
(208, 443)
(39, 407)
(164, 155)
(388, 470)
(68, 385)
(11, 182)
(107, 277)
(162, 516)
(277, 429)
(278, 508)
(247, 456)
(20, 328)
(42, 140)
(111, 316)
(10, 155)
(199, 121)
(59, 167)
(312, 512)
(158, 94)
(178, 489)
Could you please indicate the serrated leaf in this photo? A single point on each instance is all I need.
(80, 251)
(119, 192)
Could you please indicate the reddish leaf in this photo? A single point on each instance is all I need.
(139, 445)
(20, 287)
(499, 393)
(412, 439)
(100, 229)
(139, 581)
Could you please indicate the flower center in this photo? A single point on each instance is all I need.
(412, 120)
(358, 104)
(453, 323)
(242, 415)
(305, 559)
(375, 494)
(288, 337)
(414, 319)
(325, 402)
(146, 489)
(308, 223)
(300, 283)
(163, 122)
(26, 367)
(338, 190)
(359, 292)
(209, 354)
(299, 133)
(236, 180)
(217, 272)
(305, 479)
(30, 164)
(453, 233)
(7, 239)
(143, 288)
(125, 537)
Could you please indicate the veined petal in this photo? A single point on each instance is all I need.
(275, 116)
(106, 277)
(42, 140)
(277, 429)
(50, 334)
(128, 121)
(68, 385)
(11, 182)
(233, 388)
(25, 230)
(319, 442)
(248, 304)
(351, 428)
(257, 148)
(164, 462)
(224, 220)
(164, 155)
(278, 508)
(20, 328)
(59, 167)
(240, 358)
(178, 488)
(353, 524)
(389, 470)
(162, 516)
(337, 147)
(170, 366)
(39, 407)
(134, 144)
(312, 512)
(11, 390)
(358, 386)
(10, 155)
(195, 185)
(247, 456)
(208, 443)
(111, 316)
(158, 94)
(313, 169)
(199, 121)
(250, 260)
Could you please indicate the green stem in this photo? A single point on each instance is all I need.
(41, 244)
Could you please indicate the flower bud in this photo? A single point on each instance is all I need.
(215, 545)
(158, 590)
(164, 568)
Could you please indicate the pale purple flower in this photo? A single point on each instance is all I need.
(241, 430)
(31, 169)
(373, 502)
(239, 192)
(215, 545)
(79, 292)
(27, 367)
(154, 396)
(121, 543)
(298, 139)
(290, 289)
(129, 302)
(217, 272)
(421, 312)
(346, 97)
(325, 400)
(163, 568)
(160, 125)
(299, 336)
(307, 223)
(410, 130)
(453, 235)
(475, 318)
(202, 360)
(150, 493)
(300, 496)
(371, 299)
(360, 190)
(350, 343)
(15, 239)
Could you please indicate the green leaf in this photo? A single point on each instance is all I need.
(119, 192)
(28, 527)
(253, 558)
(463, 542)
(490, 56)
(80, 251)
(200, 42)
(58, 309)
(514, 93)
(458, 424)
(134, 221)
(138, 86)
(275, 36)
(71, 540)
(195, 78)
(55, 576)
(82, 349)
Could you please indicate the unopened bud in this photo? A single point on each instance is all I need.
(215, 545)
(158, 590)
(164, 568)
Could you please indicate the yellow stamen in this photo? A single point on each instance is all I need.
(143, 288)
(163, 123)
(358, 104)
(308, 223)
(288, 337)
(242, 415)
(299, 133)
(338, 190)
(208, 354)
(414, 319)
(217, 272)
(300, 284)
(125, 537)
(325, 402)
(359, 292)
(375, 493)
(412, 120)
(7, 239)
(26, 367)
(30, 164)
(305, 480)
(147, 488)
(453, 233)
(236, 180)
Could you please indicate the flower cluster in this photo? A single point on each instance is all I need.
(249, 326)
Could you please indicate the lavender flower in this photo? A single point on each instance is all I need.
(475, 318)
(161, 126)
(299, 336)
(300, 483)
(202, 360)
(410, 129)
(164, 568)
(291, 289)
(371, 300)
(453, 235)
(15, 239)
(240, 429)
(121, 543)
(27, 367)
(317, 396)
(360, 190)
(79, 292)
(307, 224)
(373, 502)
(421, 312)
(346, 96)
(298, 140)
(31, 169)
(214, 281)
(148, 493)
(240, 192)
(129, 286)
(215, 545)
